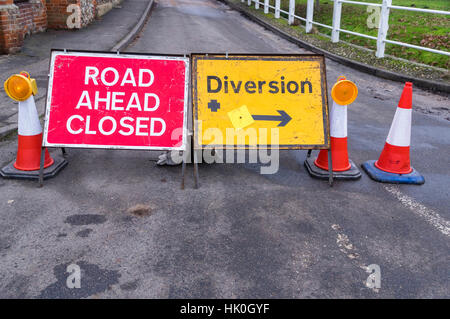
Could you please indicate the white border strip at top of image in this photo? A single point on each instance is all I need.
(119, 56)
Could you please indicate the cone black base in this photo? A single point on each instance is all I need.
(9, 171)
(314, 171)
(384, 177)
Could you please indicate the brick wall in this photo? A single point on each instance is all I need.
(19, 20)
(57, 13)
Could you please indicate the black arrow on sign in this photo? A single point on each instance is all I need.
(284, 118)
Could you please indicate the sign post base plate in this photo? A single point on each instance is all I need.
(314, 171)
(9, 171)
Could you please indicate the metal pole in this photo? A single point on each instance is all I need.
(183, 169)
(330, 168)
(41, 167)
(196, 178)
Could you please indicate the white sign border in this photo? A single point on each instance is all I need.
(56, 53)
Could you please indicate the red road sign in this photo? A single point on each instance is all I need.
(103, 100)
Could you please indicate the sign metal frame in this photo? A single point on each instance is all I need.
(263, 57)
(267, 57)
(150, 56)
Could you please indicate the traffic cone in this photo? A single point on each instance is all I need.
(344, 92)
(28, 159)
(30, 138)
(394, 164)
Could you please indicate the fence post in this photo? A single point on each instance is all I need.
(309, 15)
(257, 4)
(277, 9)
(266, 6)
(383, 28)
(291, 11)
(337, 8)
(249, 2)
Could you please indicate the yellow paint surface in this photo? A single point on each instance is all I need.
(307, 110)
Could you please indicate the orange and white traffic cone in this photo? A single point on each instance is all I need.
(30, 138)
(343, 93)
(29, 149)
(394, 164)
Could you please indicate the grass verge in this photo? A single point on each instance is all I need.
(353, 51)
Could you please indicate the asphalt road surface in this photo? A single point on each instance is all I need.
(242, 234)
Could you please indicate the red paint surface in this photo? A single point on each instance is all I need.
(69, 83)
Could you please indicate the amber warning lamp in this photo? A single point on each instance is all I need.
(19, 87)
(344, 92)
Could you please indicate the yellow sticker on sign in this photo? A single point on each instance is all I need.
(260, 101)
(241, 117)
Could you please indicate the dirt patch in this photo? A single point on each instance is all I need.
(140, 210)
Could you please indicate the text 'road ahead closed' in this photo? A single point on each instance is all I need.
(102, 100)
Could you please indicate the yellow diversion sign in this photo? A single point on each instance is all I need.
(247, 101)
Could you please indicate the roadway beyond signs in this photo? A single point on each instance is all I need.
(104, 100)
(274, 101)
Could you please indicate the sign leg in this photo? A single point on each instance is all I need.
(41, 167)
(183, 169)
(194, 157)
(63, 151)
(309, 153)
(330, 169)
(196, 179)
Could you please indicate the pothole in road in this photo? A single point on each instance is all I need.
(93, 280)
(84, 233)
(85, 219)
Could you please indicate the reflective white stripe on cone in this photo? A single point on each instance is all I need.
(338, 120)
(400, 131)
(28, 118)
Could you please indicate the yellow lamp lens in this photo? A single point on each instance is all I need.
(344, 92)
(18, 87)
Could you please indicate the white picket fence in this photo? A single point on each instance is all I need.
(383, 27)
